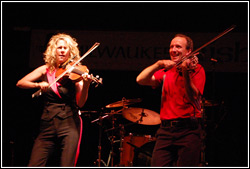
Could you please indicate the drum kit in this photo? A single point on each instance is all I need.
(130, 149)
(134, 149)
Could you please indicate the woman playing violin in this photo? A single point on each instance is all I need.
(179, 136)
(60, 122)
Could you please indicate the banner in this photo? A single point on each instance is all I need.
(134, 51)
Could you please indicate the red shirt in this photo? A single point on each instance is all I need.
(174, 101)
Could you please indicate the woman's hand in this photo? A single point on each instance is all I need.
(43, 85)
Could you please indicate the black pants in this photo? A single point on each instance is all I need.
(177, 145)
(57, 131)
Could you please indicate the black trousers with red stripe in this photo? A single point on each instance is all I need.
(64, 132)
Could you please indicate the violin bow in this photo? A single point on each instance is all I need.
(209, 42)
(39, 92)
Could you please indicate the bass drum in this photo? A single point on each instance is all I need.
(130, 144)
(143, 155)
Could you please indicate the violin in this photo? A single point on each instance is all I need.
(76, 73)
(192, 66)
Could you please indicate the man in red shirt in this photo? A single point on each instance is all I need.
(179, 136)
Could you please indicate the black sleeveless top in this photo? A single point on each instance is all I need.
(61, 107)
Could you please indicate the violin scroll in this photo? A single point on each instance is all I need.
(95, 79)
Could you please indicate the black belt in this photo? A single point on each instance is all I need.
(181, 122)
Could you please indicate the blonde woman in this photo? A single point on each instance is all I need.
(60, 122)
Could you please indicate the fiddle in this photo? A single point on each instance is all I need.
(192, 65)
(76, 73)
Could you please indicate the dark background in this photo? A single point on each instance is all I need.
(227, 122)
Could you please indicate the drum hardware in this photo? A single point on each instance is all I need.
(124, 102)
(133, 143)
(100, 118)
(100, 121)
(141, 158)
(122, 133)
(139, 149)
(112, 141)
(121, 148)
(141, 116)
(107, 115)
(120, 127)
(136, 116)
(111, 138)
(87, 113)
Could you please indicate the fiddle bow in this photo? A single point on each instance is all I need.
(209, 42)
(39, 92)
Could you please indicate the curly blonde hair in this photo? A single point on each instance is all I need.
(50, 53)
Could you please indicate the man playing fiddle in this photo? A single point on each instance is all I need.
(179, 136)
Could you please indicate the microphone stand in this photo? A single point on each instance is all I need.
(203, 135)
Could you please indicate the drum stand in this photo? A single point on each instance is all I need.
(112, 141)
(100, 119)
(122, 133)
(111, 138)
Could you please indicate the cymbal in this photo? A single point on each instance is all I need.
(123, 102)
(141, 116)
(209, 103)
